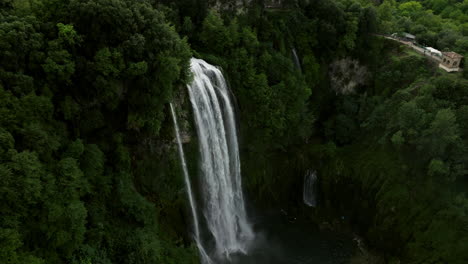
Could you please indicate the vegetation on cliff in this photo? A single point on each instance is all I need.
(88, 169)
(83, 86)
(442, 24)
(398, 159)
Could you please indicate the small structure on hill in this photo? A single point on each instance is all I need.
(451, 61)
(408, 37)
(434, 52)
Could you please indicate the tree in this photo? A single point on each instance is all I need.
(442, 134)
(398, 139)
(410, 8)
(437, 168)
(214, 35)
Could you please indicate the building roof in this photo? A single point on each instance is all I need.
(408, 35)
(432, 50)
(452, 55)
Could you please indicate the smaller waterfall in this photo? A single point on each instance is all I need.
(205, 258)
(296, 60)
(309, 196)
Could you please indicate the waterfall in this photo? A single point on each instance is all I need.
(220, 180)
(205, 258)
(296, 60)
(310, 180)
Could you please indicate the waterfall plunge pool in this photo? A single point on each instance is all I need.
(280, 241)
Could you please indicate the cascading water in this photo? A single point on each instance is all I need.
(296, 60)
(309, 188)
(186, 176)
(205, 258)
(220, 179)
(223, 228)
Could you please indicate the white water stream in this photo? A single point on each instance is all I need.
(205, 258)
(221, 197)
(310, 180)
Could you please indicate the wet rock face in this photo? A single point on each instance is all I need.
(181, 102)
(346, 75)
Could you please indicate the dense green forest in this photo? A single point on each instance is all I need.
(88, 166)
(441, 24)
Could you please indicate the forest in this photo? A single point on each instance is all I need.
(89, 170)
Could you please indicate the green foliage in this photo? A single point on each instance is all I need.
(398, 138)
(408, 147)
(410, 8)
(214, 34)
(435, 23)
(87, 171)
(437, 168)
(256, 53)
(73, 77)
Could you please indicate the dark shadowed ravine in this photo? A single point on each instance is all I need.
(282, 241)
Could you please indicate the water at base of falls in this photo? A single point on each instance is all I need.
(282, 241)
